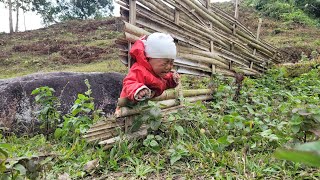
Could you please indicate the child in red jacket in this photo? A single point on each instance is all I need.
(151, 74)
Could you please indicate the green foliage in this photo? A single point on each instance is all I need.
(222, 139)
(48, 113)
(288, 10)
(26, 166)
(81, 116)
(64, 10)
(150, 115)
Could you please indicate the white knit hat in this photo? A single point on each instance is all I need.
(160, 45)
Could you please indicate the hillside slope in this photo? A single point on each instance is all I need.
(72, 46)
(291, 39)
(87, 46)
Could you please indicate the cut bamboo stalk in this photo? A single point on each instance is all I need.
(163, 105)
(138, 134)
(202, 59)
(107, 125)
(107, 135)
(186, 93)
(134, 30)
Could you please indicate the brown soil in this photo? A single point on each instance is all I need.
(45, 47)
(80, 54)
(294, 53)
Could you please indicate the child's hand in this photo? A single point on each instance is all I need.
(143, 94)
(176, 77)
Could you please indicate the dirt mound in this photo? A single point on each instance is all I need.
(47, 46)
(294, 54)
(80, 54)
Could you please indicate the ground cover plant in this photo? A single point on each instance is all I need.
(224, 138)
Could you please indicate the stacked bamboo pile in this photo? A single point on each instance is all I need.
(107, 132)
(208, 39)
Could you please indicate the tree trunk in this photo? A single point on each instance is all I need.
(10, 16)
(17, 15)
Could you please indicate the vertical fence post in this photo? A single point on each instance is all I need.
(257, 38)
(213, 67)
(132, 20)
(179, 94)
(258, 34)
(236, 16)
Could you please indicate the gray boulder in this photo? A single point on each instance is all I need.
(17, 106)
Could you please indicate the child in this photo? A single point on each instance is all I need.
(151, 74)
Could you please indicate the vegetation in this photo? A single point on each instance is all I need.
(62, 10)
(224, 138)
(293, 11)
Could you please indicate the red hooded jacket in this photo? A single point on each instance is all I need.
(141, 74)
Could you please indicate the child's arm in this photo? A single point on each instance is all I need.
(133, 86)
(172, 79)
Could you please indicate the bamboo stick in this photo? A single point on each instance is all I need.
(138, 134)
(202, 59)
(186, 93)
(163, 105)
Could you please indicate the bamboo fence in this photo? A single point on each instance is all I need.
(107, 132)
(208, 41)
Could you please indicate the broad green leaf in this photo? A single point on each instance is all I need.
(174, 158)
(179, 129)
(136, 125)
(154, 125)
(58, 133)
(155, 112)
(316, 117)
(309, 158)
(154, 143)
(158, 138)
(20, 168)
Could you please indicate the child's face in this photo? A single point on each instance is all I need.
(161, 66)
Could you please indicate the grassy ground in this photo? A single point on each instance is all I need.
(87, 46)
(222, 139)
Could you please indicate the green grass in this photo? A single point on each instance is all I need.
(17, 70)
(221, 139)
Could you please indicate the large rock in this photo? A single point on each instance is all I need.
(17, 106)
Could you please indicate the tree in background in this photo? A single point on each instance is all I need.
(16, 5)
(62, 10)
(9, 4)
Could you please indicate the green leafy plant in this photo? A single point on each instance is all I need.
(150, 115)
(48, 113)
(153, 142)
(177, 153)
(81, 116)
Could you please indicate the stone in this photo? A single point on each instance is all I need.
(18, 107)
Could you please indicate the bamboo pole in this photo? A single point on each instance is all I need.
(170, 94)
(163, 105)
(258, 34)
(186, 93)
(202, 59)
